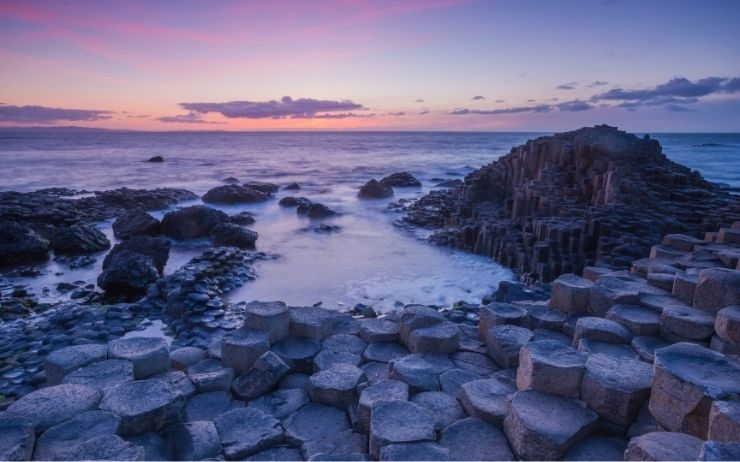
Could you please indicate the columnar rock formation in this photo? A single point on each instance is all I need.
(594, 196)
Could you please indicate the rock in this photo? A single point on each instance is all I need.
(541, 426)
(436, 339)
(136, 222)
(17, 437)
(498, 314)
(453, 379)
(344, 343)
(374, 189)
(487, 399)
(79, 239)
(339, 446)
(639, 320)
(446, 408)
(663, 446)
(262, 377)
(414, 451)
(644, 423)
(477, 363)
(297, 353)
(242, 218)
(149, 355)
(717, 288)
(612, 350)
(384, 352)
(724, 421)
(603, 330)
(108, 447)
(247, 431)
(192, 222)
(327, 358)
(156, 248)
(156, 159)
(727, 324)
(380, 391)
(241, 348)
(155, 447)
(180, 383)
(210, 375)
(542, 317)
(65, 360)
(128, 273)
(268, 316)
(62, 441)
(684, 286)
(401, 179)
(645, 347)
(612, 290)
(417, 373)
(102, 375)
(416, 317)
(281, 403)
(314, 422)
(266, 188)
(684, 322)
(717, 450)
(616, 388)
(233, 194)
(570, 293)
(378, 330)
(193, 441)
(503, 344)
(314, 323)
(314, 210)
(393, 422)
(228, 234)
(50, 406)
(336, 386)
(292, 186)
(597, 448)
(687, 378)
(209, 405)
(19, 244)
(551, 367)
(184, 357)
(488, 443)
(143, 405)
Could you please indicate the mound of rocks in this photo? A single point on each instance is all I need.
(136, 222)
(374, 189)
(192, 222)
(401, 179)
(20, 244)
(234, 194)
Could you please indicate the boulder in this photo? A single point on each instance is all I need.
(265, 188)
(414, 451)
(228, 234)
(19, 244)
(149, 355)
(79, 239)
(378, 392)
(262, 377)
(374, 189)
(102, 375)
(724, 421)
(311, 322)
(603, 330)
(717, 288)
(446, 408)
(233, 194)
(156, 159)
(401, 179)
(240, 348)
(443, 338)
(17, 437)
(242, 218)
(663, 446)
(282, 402)
(192, 222)
(727, 324)
(597, 448)
(474, 439)
(314, 422)
(156, 248)
(210, 375)
(136, 222)
(414, 371)
(50, 406)
(378, 330)
(272, 317)
(184, 357)
(551, 367)
(193, 441)
(108, 447)
(247, 431)
(128, 273)
(209, 405)
(312, 209)
(570, 293)
(487, 399)
(62, 441)
(337, 385)
(144, 405)
(393, 422)
(503, 344)
(292, 186)
(65, 360)
(687, 379)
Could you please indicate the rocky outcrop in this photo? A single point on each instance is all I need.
(594, 196)
(401, 179)
(192, 222)
(79, 239)
(20, 244)
(374, 189)
(229, 234)
(234, 194)
(136, 222)
(156, 248)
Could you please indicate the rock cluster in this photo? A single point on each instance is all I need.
(560, 203)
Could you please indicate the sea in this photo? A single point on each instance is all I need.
(367, 259)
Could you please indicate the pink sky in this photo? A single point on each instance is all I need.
(376, 65)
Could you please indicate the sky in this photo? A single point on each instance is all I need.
(478, 65)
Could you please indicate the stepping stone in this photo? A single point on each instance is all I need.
(616, 388)
(661, 280)
(727, 324)
(451, 381)
(50, 406)
(551, 367)
(393, 422)
(314, 422)
(569, 293)
(343, 323)
(446, 408)
(179, 382)
(211, 375)
(65, 360)
(487, 399)
(724, 421)
(327, 358)
(108, 447)
(718, 450)
(144, 405)
(600, 329)
(271, 317)
(336, 386)
(337, 446)
(717, 288)
(597, 448)
(504, 342)
(247, 431)
(541, 426)
(278, 453)
(281, 403)
(684, 286)
(378, 330)
(645, 347)
(547, 334)
(155, 447)
(375, 371)
(542, 317)
(442, 338)
(417, 316)
(17, 437)
(664, 446)
(193, 441)
(639, 320)
(261, 378)
(103, 375)
(612, 290)
(682, 242)
(207, 406)
(474, 439)
(345, 343)
(297, 353)
(594, 347)
(61, 441)
(381, 391)
(499, 314)
(240, 348)
(474, 362)
(414, 451)
(417, 373)
(440, 362)
(384, 352)
(310, 322)
(184, 357)
(684, 322)
(149, 355)
(701, 375)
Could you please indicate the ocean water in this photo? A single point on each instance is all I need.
(369, 260)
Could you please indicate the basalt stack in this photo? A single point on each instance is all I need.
(594, 196)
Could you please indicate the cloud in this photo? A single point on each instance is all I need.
(567, 86)
(677, 87)
(419, 100)
(189, 118)
(500, 101)
(574, 106)
(732, 85)
(344, 115)
(597, 83)
(400, 113)
(478, 98)
(48, 115)
(510, 110)
(677, 108)
(302, 108)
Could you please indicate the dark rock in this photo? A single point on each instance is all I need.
(487, 399)
(18, 437)
(233, 194)
(242, 347)
(401, 179)
(270, 316)
(344, 445)
(156, 248)
(108, 447)
(393, 422)
(265, 188)
(128, 273)
(242, 218)
(384, 352)
(380, 391)
(62, 441)
(50, 406)
(143, 405)
(155, 447)
(551, 367)
(417, 373)
(79, 239)
(452, 380)
(292, 186)
(298, 353)
(193, 441)
(136, 222)
(184, 357)
(337, 385)
(292, 201)
(149, 355)
(209, 405)
(474, 439)
(374, 189)
(314, 210)
(718, 450)
(65, 360)
(414, 451)
(19, 244)
(102, 375)
(210, 375)
(724, 421)
(192, 222)
(597, 448)
(231, 180)
(281, 403)
(446, 409)
(263, 376)
(314, 422)
(156, 159)
(229, 234)
(663, 446)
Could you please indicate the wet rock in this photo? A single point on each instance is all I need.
(417, 373)
(380, 391)
(156, 248)
(149, 355)
(233, 194)
(143, 405)
(241, 348)
(597, 448)
(336, 386)
(603, 330)
(17, 437)
(446, 409)
(228, 234)
(128, 273)
(717, 288)
(314, 422)
(62, 441)
(570, 294)
(297, 353)
(663, 446)
(192, 222)
(441, 338)
(281, 403)
(541, 426)
(136, 222)
(19, 244)
(503, 344)
(184, 357)
(487, 399)
(551, 367)
(193, 441)
(374, 189)
(156, 159)
(378, 330)
(79, 239)
(312, 209)
(210, 375)
(265, 188)
(247, 431)
(393, 422)
(414, 451)
(292, 186)
(401, 179)
(717, 450)
(474, 439)
(262, 377)
(687, 378)
(102, 375)
(724, 421)
(268, 316)
(50, 406)
(65, 360)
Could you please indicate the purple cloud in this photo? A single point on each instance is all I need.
(677, 87)
(598, 83)
(343, 115)
(400, 113)
(287, 107)
(478, 98)
(48, 115)
(510, 110)
(419, 100)
(189, 118)
(574, 106)
(567, 86)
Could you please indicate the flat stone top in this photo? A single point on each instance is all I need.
(310, 314)
(504, 310)
(711, 371)
(245, 336)
(49, 406)
(384, 390)
(553, 415)
(633, 313)
(127, 348)
(134, 398)
(622, 373)
(573, 280)
(556, 353)
(401, 421)
(265, 308)
(77, 355)
(339, 376)
(345, 342)
(511, 334)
